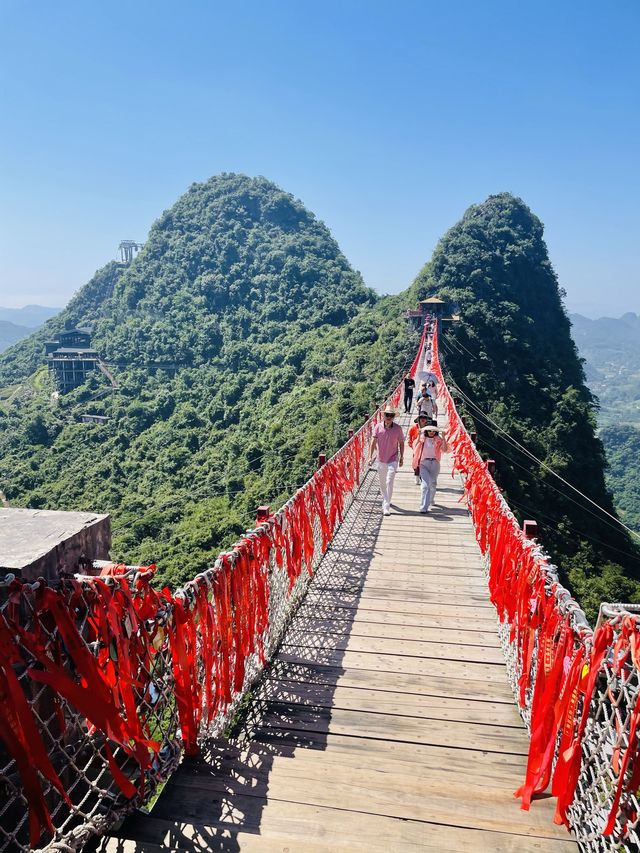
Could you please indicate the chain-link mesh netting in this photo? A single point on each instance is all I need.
(105, 681)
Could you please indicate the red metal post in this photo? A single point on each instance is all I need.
(322, 458)
(262, 513)
(530, 528)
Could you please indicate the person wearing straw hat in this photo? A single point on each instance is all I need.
(427, 453)
(388, 442)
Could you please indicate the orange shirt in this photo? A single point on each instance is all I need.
(413, 433)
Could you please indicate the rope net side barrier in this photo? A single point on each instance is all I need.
(577, 689)
(105, 682)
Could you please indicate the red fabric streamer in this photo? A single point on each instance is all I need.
(524, 597)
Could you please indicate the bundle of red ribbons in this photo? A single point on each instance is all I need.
(559, 662)
(107, 646)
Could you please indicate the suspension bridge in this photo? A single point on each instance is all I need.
(338, 681)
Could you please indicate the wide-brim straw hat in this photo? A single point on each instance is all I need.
(431, 428)
(389, 410)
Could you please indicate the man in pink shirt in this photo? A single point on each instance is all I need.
(388, 440)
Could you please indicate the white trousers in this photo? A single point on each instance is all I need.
(429, 470)
(387, 474)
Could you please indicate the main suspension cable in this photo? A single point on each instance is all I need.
(540, 462)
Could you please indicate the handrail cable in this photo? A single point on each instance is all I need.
(514, 442)
(544, 482)
(542, 464)
(458, 344)
(556, 519)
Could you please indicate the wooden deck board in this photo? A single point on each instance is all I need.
(390, 631)
(401, 647)
(385, 723)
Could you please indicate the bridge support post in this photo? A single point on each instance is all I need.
(349, 434)
(474, 437)
(262, 513)
(322, 458)
(530, 528)
(491, 467)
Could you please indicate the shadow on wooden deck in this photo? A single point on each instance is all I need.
(221, 793)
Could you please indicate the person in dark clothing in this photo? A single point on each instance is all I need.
(409, 385)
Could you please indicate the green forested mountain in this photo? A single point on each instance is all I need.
(513, 359)
(622, 444)
(280, 348)
(276, 347)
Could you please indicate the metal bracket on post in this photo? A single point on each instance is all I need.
(262, 513)
(530, 528)
(322, 458)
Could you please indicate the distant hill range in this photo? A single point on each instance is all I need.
(611, 349)
(17, 323)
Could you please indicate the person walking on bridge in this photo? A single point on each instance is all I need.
(413, 435)
(388, 441)
(427, 453)
(409, 385)
(431, 382)
(425, 404)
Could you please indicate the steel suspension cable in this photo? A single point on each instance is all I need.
(540, 462)
(556, 519)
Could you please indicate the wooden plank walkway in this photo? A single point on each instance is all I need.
(386, 722)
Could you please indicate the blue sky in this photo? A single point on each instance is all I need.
(386, 119)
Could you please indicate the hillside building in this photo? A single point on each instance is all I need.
(71, 358)
(89, 418)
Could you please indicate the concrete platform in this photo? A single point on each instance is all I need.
(41, 542)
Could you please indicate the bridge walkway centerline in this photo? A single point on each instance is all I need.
(384, 723)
